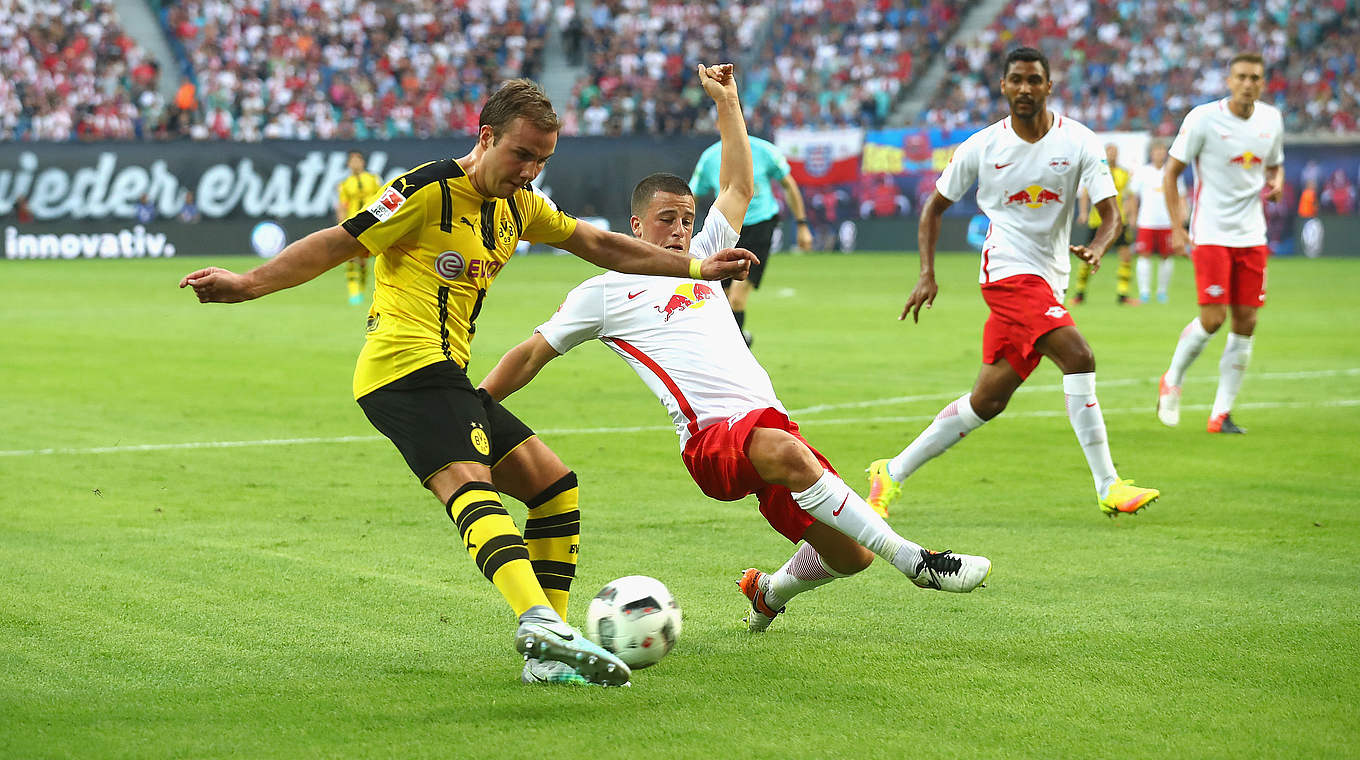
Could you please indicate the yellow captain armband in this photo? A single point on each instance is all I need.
(695, 272)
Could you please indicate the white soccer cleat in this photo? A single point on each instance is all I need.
(562, 643)
(1168, 403)
(550, 671)
(947, 571)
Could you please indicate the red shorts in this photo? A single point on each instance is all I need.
(1024, 309)
(1153, 241)
(717, 460)
(1231, 275)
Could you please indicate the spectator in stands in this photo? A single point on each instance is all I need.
(146, 210)
(189, 213)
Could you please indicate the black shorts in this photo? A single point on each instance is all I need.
(756, 239)
(1087, 235)
(436, 418)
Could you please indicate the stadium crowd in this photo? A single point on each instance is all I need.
(69, 71)
(822, 63)
(299, 69)
(352, 68)
(1122, 65)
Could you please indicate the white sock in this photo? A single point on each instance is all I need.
(1089, 424)
(948, 428)
(804, 571)
(832, 502)
(1164, 274)
(1231, 368)
(1191, 342)
(1144, 273)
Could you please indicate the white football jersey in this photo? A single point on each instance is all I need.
(678, 334)
(1146, 186)
(1028, 191)
(1229, 156)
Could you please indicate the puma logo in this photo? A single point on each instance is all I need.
(464, 220)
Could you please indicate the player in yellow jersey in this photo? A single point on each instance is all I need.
(441, 233)
(1090, 217)
(356, 191)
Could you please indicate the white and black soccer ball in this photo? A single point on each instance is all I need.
(636, 618)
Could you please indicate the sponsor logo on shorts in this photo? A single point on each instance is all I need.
(387, 204)
(449, 264)
(479, 440)
(1215, 290)
(373, 321)
(1056, 312)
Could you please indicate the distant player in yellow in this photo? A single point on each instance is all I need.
(1090, 217)
(441, 233)
(356, 191)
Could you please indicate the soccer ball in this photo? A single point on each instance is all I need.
(636, 618)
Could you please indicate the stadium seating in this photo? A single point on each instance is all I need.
(344, 68)
(68, 71)
(256, 69)
(823, 63)
(1142, 66)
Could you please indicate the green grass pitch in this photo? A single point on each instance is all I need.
(207, 552)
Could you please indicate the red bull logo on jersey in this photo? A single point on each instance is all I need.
(689, 295)
(1246, 160)
(1034, 196)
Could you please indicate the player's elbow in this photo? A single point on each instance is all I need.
(742, 190)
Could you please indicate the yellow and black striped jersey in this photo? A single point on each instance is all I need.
(439, 245)
(1120, 175)
(357, 190)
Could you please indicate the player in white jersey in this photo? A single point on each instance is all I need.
(736, 438)
(1147, 213)
(1027, 168)
(1237, 147)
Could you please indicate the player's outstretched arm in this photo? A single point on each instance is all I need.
(736, 175)
(633, 256)
(519, 365)
(296, 264)
(1106, 233)
(927, 235)
(1175, 207)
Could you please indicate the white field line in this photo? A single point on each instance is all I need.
(1324, 403)
(1116, 383)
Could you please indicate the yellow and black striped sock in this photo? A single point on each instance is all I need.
(354, 277)
(1083, 277)
(1124, 272)
(553, 534)
(495, 544)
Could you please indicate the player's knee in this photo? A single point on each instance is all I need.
(1080, 359)
(781, 459)
(1244, 324)
(1211, 321)
(797, 461)
(987, 407)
